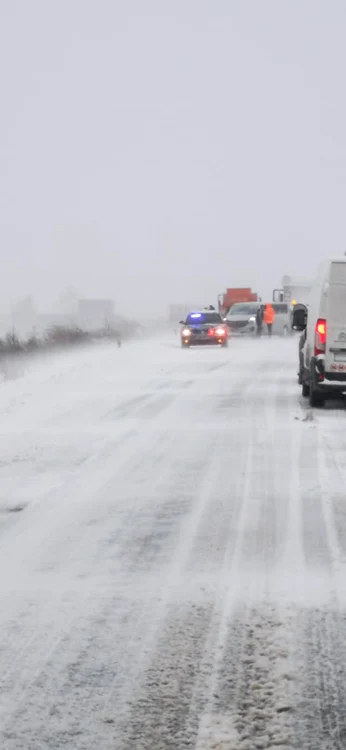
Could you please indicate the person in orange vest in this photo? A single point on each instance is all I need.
(268, 317)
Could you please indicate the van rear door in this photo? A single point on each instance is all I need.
(335, 358)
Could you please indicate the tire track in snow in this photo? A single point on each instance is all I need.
(162, 716)
(219, 524)
(78, 546)
(332, 438)
(247, 635)
(248, 416)
(219, 622)
(100, 684)
(138, 707)
(315, 538)
(321, 713)
(174, 721)
(156, 407)
(218, 548)
(166, 713)
(321, 722)
(269, 494)
(127, 408)
(253, 702)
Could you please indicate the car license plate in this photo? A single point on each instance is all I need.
(340, 356)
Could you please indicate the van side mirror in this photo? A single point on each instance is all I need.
(181, 322)
(299, 318)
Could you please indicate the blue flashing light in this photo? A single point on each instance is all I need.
(196, 315)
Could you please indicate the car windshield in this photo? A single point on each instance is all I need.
(243, 309)
(202, 318)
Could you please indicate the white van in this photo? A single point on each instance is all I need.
(323, 360)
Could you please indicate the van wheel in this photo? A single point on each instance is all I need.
(316, 398)
(305, 389)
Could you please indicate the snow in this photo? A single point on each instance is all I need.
(173, 551)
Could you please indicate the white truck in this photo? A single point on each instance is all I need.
(294, 289)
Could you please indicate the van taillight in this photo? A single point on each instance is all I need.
(320, 336)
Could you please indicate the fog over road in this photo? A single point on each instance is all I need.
(175, 576)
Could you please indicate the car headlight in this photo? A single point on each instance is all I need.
(252, 319)
(186, 332)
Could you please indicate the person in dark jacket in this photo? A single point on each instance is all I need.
(259, 320)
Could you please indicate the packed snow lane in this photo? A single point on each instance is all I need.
(177, 575)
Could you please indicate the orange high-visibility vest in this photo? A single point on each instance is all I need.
(269, 315)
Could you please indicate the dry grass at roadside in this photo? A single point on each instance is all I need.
(13, 350)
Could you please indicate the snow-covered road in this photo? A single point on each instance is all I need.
(175, 574)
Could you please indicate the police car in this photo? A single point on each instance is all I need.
(203, 328)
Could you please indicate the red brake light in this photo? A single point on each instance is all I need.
(211, 332)
(320, 336)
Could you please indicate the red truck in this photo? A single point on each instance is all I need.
(233, 295)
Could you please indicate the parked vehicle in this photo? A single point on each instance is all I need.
(241, 318)
(322, 369)
(204, 327)
(294, 290)
(233, 296)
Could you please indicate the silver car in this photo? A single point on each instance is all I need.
(241, 318)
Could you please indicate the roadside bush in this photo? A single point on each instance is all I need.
(11, 344)
(13, 350)
(62, 336)
(32, 344)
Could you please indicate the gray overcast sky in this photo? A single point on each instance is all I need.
(160, 151)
